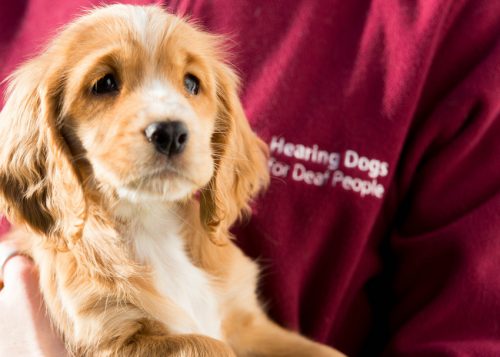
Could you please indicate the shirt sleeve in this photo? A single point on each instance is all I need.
(446, 244)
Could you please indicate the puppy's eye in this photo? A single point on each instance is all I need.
(105, 85)
(192, 83)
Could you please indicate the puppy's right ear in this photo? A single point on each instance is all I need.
(39, 185)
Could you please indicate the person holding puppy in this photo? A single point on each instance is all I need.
(379, 232)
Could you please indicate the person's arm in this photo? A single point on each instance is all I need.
(447, 242)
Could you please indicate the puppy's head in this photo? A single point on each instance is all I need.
(133, 102)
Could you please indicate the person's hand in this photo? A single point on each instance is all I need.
(25, 329)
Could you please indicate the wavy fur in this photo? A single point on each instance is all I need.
(101, 209)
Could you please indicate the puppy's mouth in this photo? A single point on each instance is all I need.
(167, 183)
(166, 172)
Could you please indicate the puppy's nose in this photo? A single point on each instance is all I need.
(168, 137)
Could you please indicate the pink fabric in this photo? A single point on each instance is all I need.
(4, 227)
(380, 233)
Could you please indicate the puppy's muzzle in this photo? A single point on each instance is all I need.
(168, 137)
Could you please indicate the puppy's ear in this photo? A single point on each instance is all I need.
(240, 162)
(38, 182)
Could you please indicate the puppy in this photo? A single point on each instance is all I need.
(127, 155)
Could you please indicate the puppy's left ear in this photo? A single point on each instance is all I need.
(240, 162)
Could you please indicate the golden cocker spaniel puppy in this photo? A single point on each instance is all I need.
(127, 155)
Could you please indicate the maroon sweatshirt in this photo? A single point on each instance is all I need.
(380, 232)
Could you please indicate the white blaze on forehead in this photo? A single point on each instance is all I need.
(161, 89)
(150, 25)
(163, 102)
(139, 20)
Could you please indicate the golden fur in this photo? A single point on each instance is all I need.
(66, 154)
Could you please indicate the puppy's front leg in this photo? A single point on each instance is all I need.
(141, 345)
(257, 336)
